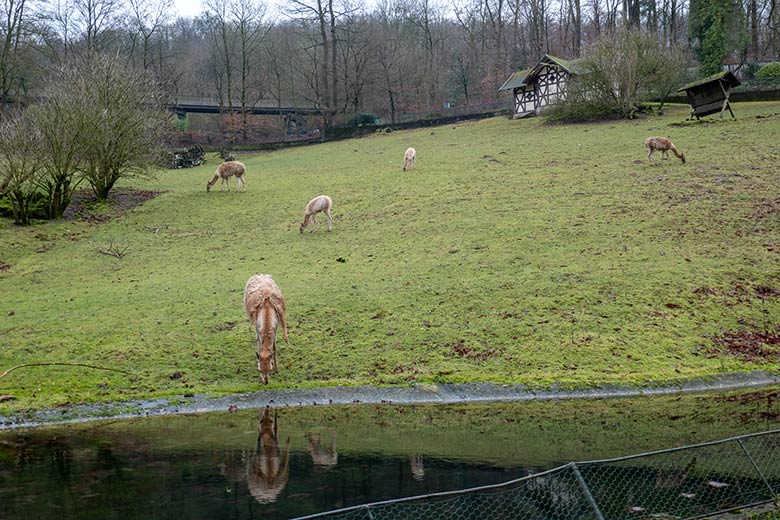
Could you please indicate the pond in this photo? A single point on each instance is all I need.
(288, 462)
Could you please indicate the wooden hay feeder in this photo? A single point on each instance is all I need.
(710, 95)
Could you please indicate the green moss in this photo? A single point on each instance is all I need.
(516, 252)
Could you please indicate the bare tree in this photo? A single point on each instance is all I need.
(318, 12)
(629, 64)
(56, 27)
(95, 19)
(222, 50)
(15, 14)
(426, 16)
(126, 118)
(149, 18)
(387, 35)
(248, 17)
(279, 63)
(19, 165)
(62, 117)
(358, 58)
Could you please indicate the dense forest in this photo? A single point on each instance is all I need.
(346, 57)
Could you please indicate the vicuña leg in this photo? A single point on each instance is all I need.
(330, 220)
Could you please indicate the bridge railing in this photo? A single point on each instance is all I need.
(681, 483)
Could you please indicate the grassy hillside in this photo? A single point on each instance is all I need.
(516, 252)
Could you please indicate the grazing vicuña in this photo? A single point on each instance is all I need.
(409, 159)
(264, 305)
(225, 171)
(320, 203)
(663, 145)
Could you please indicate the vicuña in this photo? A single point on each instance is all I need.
(227, 170)
(663, 145)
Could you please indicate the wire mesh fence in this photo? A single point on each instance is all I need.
(681, 483)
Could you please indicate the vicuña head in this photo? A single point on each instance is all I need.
(264, 361)
(663, 145)
(227, 170)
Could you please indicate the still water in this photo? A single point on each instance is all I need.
(282, 463)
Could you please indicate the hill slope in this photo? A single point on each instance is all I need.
(517, 251)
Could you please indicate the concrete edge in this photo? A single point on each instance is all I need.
(451, 393)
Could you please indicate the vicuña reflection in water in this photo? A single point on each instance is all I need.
(418, 469)
(324, 457)
(269, 466)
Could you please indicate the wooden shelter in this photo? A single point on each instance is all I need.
(711, 94)
(541, 85)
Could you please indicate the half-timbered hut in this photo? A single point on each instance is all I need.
(541, 85)
(711, 94)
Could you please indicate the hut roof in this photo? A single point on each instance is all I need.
(515, 80)
(726, 77)
(526, 76)
(572, 66)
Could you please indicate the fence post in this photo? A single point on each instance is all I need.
(584, 486)
(758, 470)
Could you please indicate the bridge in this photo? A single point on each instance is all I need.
(266, 107)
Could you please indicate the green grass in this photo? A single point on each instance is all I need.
(516, 252)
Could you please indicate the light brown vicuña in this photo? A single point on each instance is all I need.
(265, 308)
(409, 159)
(225, 171)
(663, 145)
(320, 203)
(269, 466)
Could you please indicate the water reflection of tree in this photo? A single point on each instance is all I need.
(28, 451)
(268, 467)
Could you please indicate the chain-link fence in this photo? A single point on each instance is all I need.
(681, 483)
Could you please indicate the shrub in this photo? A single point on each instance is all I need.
(20, 151)
(750, 69)
(770, 70)
(364, 119)
(577, 110)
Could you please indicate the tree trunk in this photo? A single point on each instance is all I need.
(334, 95)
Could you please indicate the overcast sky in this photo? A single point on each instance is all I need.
(188, 8)
(192, 8)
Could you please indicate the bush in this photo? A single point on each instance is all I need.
(582, 110)
(750, 69)
(364, 119)
(770, 70)
(36, 208)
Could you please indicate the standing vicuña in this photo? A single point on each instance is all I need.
(409, 156)
(320, 203)
(663, 145)
(264, 305)
(227, 170)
